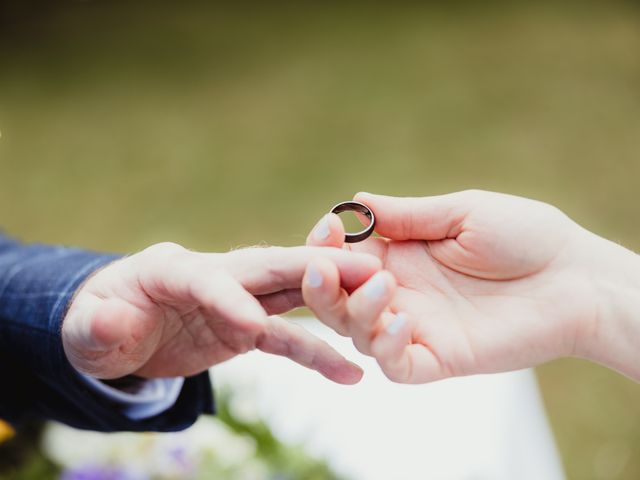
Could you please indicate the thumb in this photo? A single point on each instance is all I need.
(328, 232)
(94, 331)
(111, 324)
(418, 218)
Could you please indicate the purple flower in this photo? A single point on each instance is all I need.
(100, 472)
(179, 456)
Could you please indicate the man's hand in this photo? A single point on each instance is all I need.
(167, 311)
(486, 282)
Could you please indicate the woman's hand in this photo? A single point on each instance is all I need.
(486, 282)
(168, 311)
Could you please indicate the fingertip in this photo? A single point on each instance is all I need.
(336, 228)
(320, 272)
(390, 278)
(347, 373)
(366, 308)
(392, 338)
(381, 285)
(321, 231)
(361, 196)
(371, 200)
(397, 324)
(328, 232)
(354, 374)
(313, 277)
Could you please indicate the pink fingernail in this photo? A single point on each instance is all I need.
(376, 287)
(322, 230)
(314, 277)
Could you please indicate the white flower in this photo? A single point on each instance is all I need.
(165, 455)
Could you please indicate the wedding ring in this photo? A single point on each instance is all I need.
(352, 206)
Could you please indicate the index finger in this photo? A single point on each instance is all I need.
(267, 270)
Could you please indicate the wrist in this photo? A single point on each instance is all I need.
(612, 336)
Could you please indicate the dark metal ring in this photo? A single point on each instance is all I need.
(360, 208)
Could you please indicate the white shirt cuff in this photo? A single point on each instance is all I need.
(151, 397)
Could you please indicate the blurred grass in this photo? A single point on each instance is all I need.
(213, 125)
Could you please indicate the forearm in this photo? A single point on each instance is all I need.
(613, 338)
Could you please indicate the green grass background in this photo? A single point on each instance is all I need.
(215, 125)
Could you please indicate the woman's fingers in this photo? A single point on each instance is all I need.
(328, 232)
(354, 315)
(323, 294)
(294, 342)
(366, 305)
(399, 358)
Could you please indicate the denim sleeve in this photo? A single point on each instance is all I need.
(37, 283)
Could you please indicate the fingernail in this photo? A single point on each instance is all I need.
(376, 287)
(314, 277)
(397, 324)
(322, 231)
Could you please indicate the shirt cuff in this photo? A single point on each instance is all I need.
(143, 399)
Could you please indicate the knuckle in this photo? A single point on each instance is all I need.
(242, 341)
(474, 193)
(407, 223)
(277, 279)
(165, 248)
(250, 263)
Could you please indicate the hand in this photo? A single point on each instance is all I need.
(486, 282)
(167, 311)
